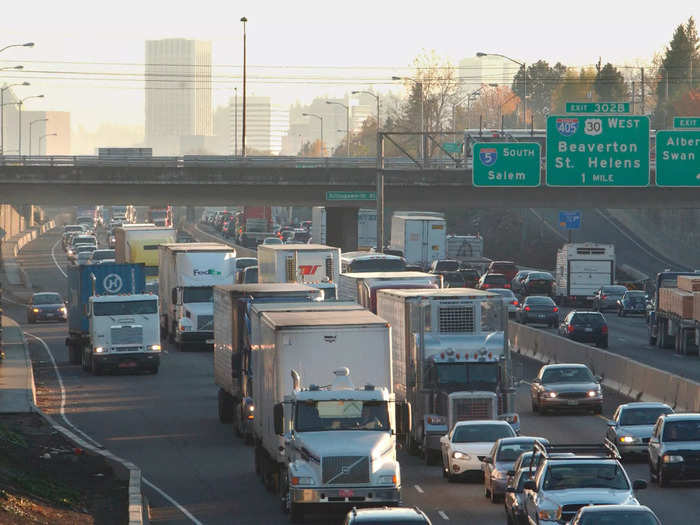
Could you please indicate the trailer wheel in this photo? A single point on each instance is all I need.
(84, 360)
(96, 368)
(225, 406)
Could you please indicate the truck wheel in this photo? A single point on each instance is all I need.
(84, 360)
(225, 406)
(284, 491)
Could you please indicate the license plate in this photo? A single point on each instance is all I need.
(590, 297)
(49, 315)
(588, 329)
(128, 364)
(346, 493)
(540, 316)
(572, 402)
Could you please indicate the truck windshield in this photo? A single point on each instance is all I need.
(319, 416)
(473, 375)
(198, 294)
(148, 306)
(585, 476)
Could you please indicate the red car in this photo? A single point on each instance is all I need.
(507, 268)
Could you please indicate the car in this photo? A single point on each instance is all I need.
(674, 449)
(614, 515)
(517, 282)
(560, 486)
(249, 275)
(632, 424)
(387, 516)
(68, 230)
(443, 265)
(493, 280)
(241, 264)
(538, 309)
(102, 257)
(46, 306)
(413, 268)
(451, 279)
(507, 268)
(83, 258)
(272, 240)
(513, 499)
(606, 297)
(468, 443)
(566, 386)
(509, 299)
(500, 461)
(471, 277)
(585, 327)
(632, 302)
(538, 283)
(81, 248)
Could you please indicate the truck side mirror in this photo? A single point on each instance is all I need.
(236, 365)
(174, 295)
(278, 416)
(406, 417)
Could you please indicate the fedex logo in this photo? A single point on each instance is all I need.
(308, 269)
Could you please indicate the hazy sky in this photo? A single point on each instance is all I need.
(381, 36)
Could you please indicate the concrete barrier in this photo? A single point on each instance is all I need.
(631, 378)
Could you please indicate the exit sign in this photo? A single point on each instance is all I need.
(351, 195)
(597, 107)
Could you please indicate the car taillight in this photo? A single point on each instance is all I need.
(556, 309)
(604, 329)
(527, 308)
(603, 296)
(570, 328)
(515, 302)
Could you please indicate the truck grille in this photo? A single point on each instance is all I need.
(572, 395)
(127, 335)
(342, 470)
(457, 318)
(205, 323)
(569, 511)
(470, 409)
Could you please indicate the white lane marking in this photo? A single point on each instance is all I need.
(53, 256)
(419, 489)
(526, 382)
(88, 438)
(6, 300)
(443, 515)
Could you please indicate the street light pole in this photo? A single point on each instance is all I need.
(347, 122)
(235, 121)
(522, 65)
(422, 103)
(244, 20)
(377, 98)
(27, 44)
(2, 114)
(30, 132)
(44, 136)
(19, 121)
(319, 117)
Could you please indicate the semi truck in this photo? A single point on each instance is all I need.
(366, 227)
(160, 216)
(450, 360)
(582, 268)
(674, 321)
(138, 243)
(112, 324)
(363, 287)
(321, 447)
(312, 264)
(253, 225)
(420, 237)
(188, 273)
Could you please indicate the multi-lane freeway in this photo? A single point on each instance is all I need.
(198, 472)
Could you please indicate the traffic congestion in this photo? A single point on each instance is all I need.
(421, 385)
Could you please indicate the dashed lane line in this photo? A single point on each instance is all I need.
(53, 256)
(419, 489)
(444, 516)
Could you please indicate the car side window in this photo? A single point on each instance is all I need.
(494, 450)
(539, 474)
(655, 432)
(616, 416)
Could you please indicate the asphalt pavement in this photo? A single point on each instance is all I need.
(168, 425)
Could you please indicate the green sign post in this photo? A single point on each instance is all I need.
(452, 147)
(678, 158)
(686, 122)
(506, 164)
(351, 195)
(597, 107)
(598, 151)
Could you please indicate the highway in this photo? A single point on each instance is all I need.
(167, 424)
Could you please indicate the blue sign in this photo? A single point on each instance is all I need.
(488, 156)
(571, 220)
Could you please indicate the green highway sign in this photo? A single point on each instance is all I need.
(351, 195)
(598, 150)
(678, 158)
(506, 164)
(597, 107)
(452, 147)
(686, 122)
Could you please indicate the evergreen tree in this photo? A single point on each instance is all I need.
(542, 80)
(610, 85)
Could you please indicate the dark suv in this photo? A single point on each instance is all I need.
(585, 327)
(538, 283)
(471, 277)
(388, 516)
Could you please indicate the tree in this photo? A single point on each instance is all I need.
(687, 105)
(542, 80)
(610, 85)
(493, 103)
(574, 86)
(311, 149)
(362, 143)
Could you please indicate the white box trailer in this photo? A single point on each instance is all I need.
(581, 269)
(366, 227)
(362, 287)
(420, 237)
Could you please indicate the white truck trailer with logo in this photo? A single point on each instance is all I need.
(419, 236)
(331, 444)
(450, 360)
(366, 227)
(188, 273)
(582, 268)
(311, 264)
(363, 287)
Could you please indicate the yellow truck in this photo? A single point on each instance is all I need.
(138, 243)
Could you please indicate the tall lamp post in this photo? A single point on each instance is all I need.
(468, 98)
(30, 132)
(2, 113)
(319, 117)
(44, 136)
(27, 44)
(235, 121)
(522, 65)
(377, 98)
(19, 120)
(347, 121)
(244, 20)
(422, 110)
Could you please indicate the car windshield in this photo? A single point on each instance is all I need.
(509, 452)
(618, 516)
(495, 279)
(585, 476)
(244, 262)
(538, 301)
(149, 306)
(101, 255)
(592, 318)
(614, 290)
(85, 248)
(318, 416)
(503, 292)
(47, 298)
(198, 294)
(250, 275)
(470, 274)
(567, 375)
(481, 433)
(642, 416)
(453, 278)
(503, 268)
(682, 430)
(273, 240)
(540, 277)
(446, 266)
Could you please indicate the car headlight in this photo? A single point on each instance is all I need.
(551, 515)
(99, 350)
(387, 480)
(460, 455)
(35, 310)
(593, 393)
(551, 394)
(302, 480)
(63, 310)
(628, 439)
(672, 459)
(154, 348)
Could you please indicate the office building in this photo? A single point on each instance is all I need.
(266, 124)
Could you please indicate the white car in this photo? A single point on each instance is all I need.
(468, 443)
(509, 298)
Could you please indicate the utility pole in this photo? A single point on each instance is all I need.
(244, 20)
(633, 109)
(235, 121)
(380, 192)
(643, 94)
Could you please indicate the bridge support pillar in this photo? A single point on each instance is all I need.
(341, 228)
(189, 215)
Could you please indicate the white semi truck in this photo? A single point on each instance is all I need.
(321, 446)
(311, 264)
(450, 360)
(420, 237)
(362, 287)
(582, 268)
(188, 273)
(366, 227)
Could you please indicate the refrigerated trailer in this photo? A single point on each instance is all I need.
(582, 268)
(419, 236)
